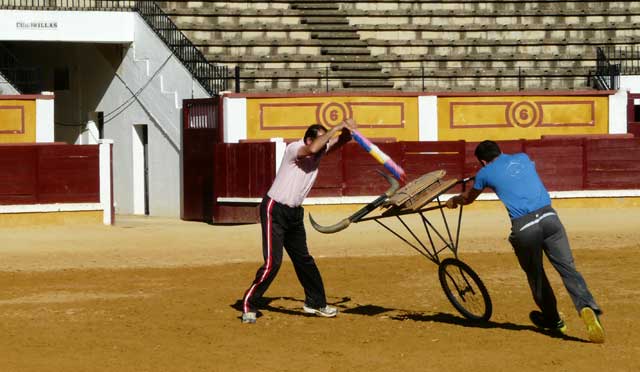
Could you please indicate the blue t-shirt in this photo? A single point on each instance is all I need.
(515, 180)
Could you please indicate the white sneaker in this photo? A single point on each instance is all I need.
(327, 311)
(249, 317)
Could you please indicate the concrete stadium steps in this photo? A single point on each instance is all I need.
(599, 30)
(345, 43)
(251, 31)
(330, 35)
(437, 10)
(263, 27)
(390, 5)
(480, 5)
(436, 18)
(483, 84)
(411, 73)
(238, 4)
(325, 6)
(583, 31)
(433, 80)
(393, 61)
(454, 50)
(482, 46)
(392, 40)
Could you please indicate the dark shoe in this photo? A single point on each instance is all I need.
(594, 328)
(553, 326)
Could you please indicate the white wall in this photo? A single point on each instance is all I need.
(618, 103)
(137, 83)
(6, 88)
(73, 26)
(45, 118)
(428, 118)
(235, 119)
(148, 90)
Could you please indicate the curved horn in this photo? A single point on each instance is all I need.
(361, 212)
(392, 181)
(330, 229)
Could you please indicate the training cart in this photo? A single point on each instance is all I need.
(421, 197)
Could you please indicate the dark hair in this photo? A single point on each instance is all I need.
(487, 150)
(312, 131)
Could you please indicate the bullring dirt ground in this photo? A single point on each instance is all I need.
(153, 294)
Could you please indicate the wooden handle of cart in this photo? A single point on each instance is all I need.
(361, 212)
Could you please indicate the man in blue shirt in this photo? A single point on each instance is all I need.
(535, 227)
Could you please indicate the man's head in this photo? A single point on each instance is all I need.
(486, 151)
(313, 132)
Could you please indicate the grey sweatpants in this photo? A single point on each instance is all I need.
(540, 231)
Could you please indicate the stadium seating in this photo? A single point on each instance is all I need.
(313, 45)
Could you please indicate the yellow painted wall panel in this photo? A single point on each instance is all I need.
(515, 117)
(17, 121)
(377, 117)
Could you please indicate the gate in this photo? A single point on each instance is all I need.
(633, 114)
(200, 134)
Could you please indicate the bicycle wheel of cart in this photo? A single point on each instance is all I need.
(465, 290)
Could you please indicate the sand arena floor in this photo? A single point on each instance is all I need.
(154, 294)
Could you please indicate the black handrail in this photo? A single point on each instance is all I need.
(607, 74)
(421, 78)
(626, 56)
(213, 77)
(25, 79)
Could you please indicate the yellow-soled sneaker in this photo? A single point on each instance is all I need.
(538, 319)
(594, 328)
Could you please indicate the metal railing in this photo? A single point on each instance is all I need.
(27, 80)
(324, 79)
(627, 57)
(213, 77)
(607, 74)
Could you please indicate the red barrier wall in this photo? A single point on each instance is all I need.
(242, 170)
(247, 169)
(49, 173)
(612, 164)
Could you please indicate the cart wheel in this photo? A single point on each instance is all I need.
(465, 290)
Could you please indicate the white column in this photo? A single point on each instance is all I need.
(106, 180)
(235, 119)
(618, 112)
(137, 168)
(44, 118)
(280, 147)
(427, 118)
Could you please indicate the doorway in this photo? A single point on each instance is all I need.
(140, 145)
(633, 114)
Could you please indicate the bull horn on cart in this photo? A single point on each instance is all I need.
(360, 213)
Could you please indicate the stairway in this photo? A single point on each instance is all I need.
(351, 58)
(16, 78)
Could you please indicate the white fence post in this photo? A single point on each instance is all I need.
(106, 181)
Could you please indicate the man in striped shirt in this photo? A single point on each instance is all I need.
(535, 227)
(281, 216)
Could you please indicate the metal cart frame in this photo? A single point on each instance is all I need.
(461, 284)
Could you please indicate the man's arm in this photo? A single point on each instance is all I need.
(464, 198)
(344, 137)
(319, 143)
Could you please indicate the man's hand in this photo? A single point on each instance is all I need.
(347, 126)
(465, 198)
(452, 203)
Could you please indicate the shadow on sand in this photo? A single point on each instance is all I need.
(347, 307)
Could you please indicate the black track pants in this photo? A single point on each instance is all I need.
(283, 226)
